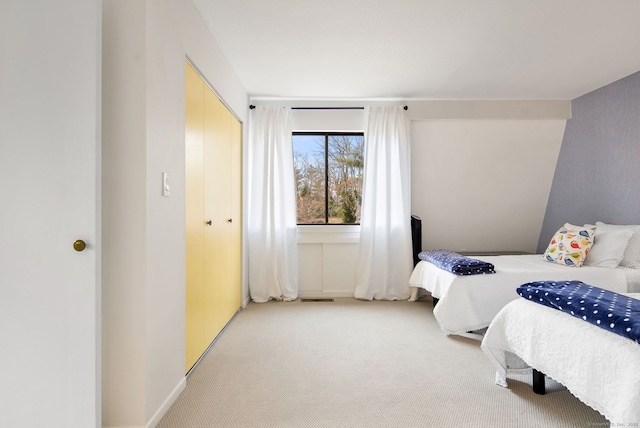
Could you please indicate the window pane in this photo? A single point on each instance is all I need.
(309, 167)
(328, 172)
(345, 167)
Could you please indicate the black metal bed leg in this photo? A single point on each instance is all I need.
(538, 382)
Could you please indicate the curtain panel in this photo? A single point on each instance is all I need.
(385, 256)
(271, 206)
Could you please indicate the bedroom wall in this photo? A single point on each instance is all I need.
(507, 148)
(146, 43)
(597, 177)
(481, 185)
(327, 255)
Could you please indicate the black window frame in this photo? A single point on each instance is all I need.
(326, 135)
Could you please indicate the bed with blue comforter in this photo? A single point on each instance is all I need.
(580, 335)
(470, 302)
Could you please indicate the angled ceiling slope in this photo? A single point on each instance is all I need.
(426, 49)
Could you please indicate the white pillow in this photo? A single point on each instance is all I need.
(608, 247)
(631, 256)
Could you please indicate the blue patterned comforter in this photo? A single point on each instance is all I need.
(603, 308)
(456, 263)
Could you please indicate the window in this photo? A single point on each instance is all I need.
(328, 172)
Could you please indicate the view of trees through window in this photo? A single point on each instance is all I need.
(328, 173)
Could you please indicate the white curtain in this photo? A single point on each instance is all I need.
(386, 259)
(271, 218)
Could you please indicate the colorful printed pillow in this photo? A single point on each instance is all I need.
(570, 245)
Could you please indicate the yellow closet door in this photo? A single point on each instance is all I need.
(213, 151)
(217, 208)
(194, 195)
(229, 294)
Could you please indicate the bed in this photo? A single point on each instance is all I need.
(469, 303)
(602, 369)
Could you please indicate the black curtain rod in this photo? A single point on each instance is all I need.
(325, 108)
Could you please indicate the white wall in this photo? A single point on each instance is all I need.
(146, 44)
(328, 257)
(124, 207)
(508, 149)
(483, 185)
(327, 254)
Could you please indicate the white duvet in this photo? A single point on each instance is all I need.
(600, 368)
(468, 303)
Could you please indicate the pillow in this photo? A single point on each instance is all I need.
(608, 247)
(631, 257)
(570, 245)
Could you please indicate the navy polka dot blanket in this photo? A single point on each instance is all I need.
(456, 263)
(603, 308)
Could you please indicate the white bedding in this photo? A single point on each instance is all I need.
(468, 303)
(633, 279)
(600, 368)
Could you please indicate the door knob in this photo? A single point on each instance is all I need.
(230, 220)
(79, 245)
(208, 223)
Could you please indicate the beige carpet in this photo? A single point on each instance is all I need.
(352, 363)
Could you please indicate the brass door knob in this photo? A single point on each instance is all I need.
(79, 245)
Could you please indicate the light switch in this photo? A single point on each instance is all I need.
(166, 185)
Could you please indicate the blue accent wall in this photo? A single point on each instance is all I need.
(597, 176)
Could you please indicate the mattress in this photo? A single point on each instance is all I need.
(468, 303)
(599, 367)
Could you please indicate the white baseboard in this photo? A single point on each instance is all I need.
(323, 294)
(167, 403)
(246, 302)
(127, 426)
(313, 295)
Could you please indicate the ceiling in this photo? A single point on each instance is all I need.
(426, 49)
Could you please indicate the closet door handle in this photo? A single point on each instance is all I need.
(230, 220)
(208, 223)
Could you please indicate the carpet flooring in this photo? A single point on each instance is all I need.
(352, 363)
